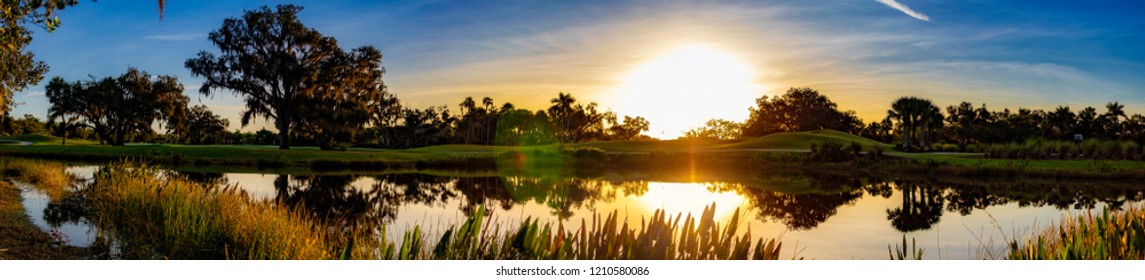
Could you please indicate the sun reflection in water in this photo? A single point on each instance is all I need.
(689, 198)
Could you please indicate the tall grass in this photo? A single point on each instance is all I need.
(157, 217)
(605, 238)
(49, 177)
(1109, 236)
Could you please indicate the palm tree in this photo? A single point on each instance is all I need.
(560, 112)
(467, 108)
(1111, 120)
(916, 118)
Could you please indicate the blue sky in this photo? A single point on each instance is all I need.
(861, 53)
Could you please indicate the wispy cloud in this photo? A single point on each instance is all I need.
(904, 9)
(174, 37)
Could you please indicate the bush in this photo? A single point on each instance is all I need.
(1129, 150)
(829, 151)
(876, 151)
(775, 157)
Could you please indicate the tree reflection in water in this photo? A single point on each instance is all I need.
(921, 207)
(800, 206)
(818, 200)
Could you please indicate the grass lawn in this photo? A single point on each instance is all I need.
(311, 157)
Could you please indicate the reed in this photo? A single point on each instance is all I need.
(1112, 235)
(157, 217)
(604, 238)
(49, 177)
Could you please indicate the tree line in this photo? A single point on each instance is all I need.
(915, 123)
(314, 93)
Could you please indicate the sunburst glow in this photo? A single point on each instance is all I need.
(684, 88)
(689, 198)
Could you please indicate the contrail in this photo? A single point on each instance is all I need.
(904, 9)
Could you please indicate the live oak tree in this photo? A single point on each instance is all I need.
(199, 126)
(350, 95)
(283, 69)
(716, 129)
(800, 109)
(19, 67)
(117, 108)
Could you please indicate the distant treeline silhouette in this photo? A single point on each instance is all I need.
(914, 123)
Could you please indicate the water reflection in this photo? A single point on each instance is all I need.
(799, 204)
(827, 214)
(921, 206)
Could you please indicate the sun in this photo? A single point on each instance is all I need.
(686, 87)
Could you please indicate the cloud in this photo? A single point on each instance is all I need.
(904, 9)
(173, 37)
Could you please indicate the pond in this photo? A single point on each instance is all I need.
(816, 217)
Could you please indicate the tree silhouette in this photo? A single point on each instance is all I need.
(349, 93)
(916, 119)
(117, 108)
(575, 122)
(716, 129)
(627, 130)
(921, 207)
(200, 126)
(277, 63)
(800, 109)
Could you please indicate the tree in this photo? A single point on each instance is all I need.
(627, 130)
(1109, 123)
(350, 94)
(271, 59)
(200, 127)
(962, 125)
(716, 129)
(1087, 122)
(520, 127)
(800, 109)
(19, 67)
(116, 108)
(1061, 123)
(478, 125)
(916, 119)
(418, 128)
(573, 122)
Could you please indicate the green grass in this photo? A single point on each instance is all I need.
(1111, 235)
(802, 140)
(40, 139)
(618, 154)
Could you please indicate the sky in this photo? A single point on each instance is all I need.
(677, 63)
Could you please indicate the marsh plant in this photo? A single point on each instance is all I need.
(605, 238)
(155, 216)
(51, 178)
(1111, 235)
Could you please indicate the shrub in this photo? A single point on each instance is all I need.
(829, 151)
(778, 157)
(1129, 150)
(876, 151)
